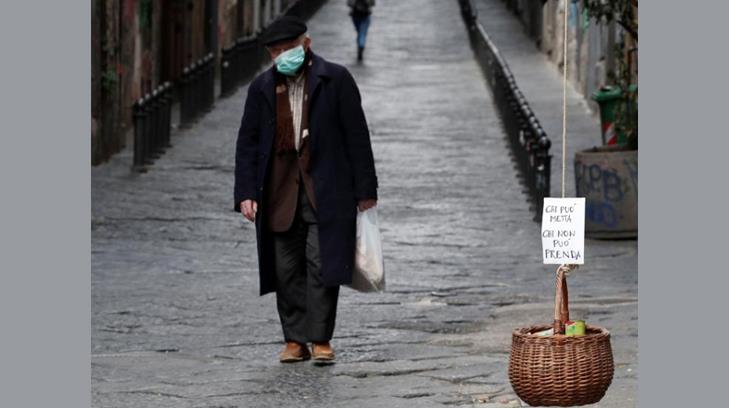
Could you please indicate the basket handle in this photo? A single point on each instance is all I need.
(561, 300)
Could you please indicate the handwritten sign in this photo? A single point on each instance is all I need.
(563, 230)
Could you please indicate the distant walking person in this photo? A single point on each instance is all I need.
(360, 12)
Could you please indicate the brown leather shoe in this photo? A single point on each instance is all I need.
(322, 352)
(294, 352)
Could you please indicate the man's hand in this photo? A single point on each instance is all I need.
(366, 204)
(249, 208)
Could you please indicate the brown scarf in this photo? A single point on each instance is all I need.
(285, 135)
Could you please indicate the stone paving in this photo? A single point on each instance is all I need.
(176, 319)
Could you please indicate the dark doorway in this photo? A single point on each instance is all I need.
(211, 26)
(173, 49)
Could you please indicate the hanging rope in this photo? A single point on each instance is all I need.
(564, 97)
(565, 269)
(561, 306)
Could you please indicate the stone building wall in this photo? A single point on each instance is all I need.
(590, 44)
(137, 45)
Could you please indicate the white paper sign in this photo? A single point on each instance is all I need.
(563, 230)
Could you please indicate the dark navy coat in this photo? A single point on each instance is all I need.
(341, 164)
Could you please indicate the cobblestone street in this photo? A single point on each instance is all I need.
(176, 316)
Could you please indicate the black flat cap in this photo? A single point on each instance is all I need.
(283, 29)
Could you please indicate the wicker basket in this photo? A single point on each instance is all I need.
(560, 370)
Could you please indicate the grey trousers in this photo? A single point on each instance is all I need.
(306, 307)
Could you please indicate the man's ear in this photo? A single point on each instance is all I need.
(307, 43)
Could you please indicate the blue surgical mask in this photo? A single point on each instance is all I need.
(290, 60)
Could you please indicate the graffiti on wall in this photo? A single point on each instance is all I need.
(608, 190)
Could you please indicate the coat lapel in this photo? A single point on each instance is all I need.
(268, 88)
(317, 73)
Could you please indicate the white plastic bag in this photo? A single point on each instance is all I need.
(368, 274)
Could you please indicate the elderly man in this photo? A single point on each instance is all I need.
(304, 166)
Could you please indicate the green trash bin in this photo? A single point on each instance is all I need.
(609, 98)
